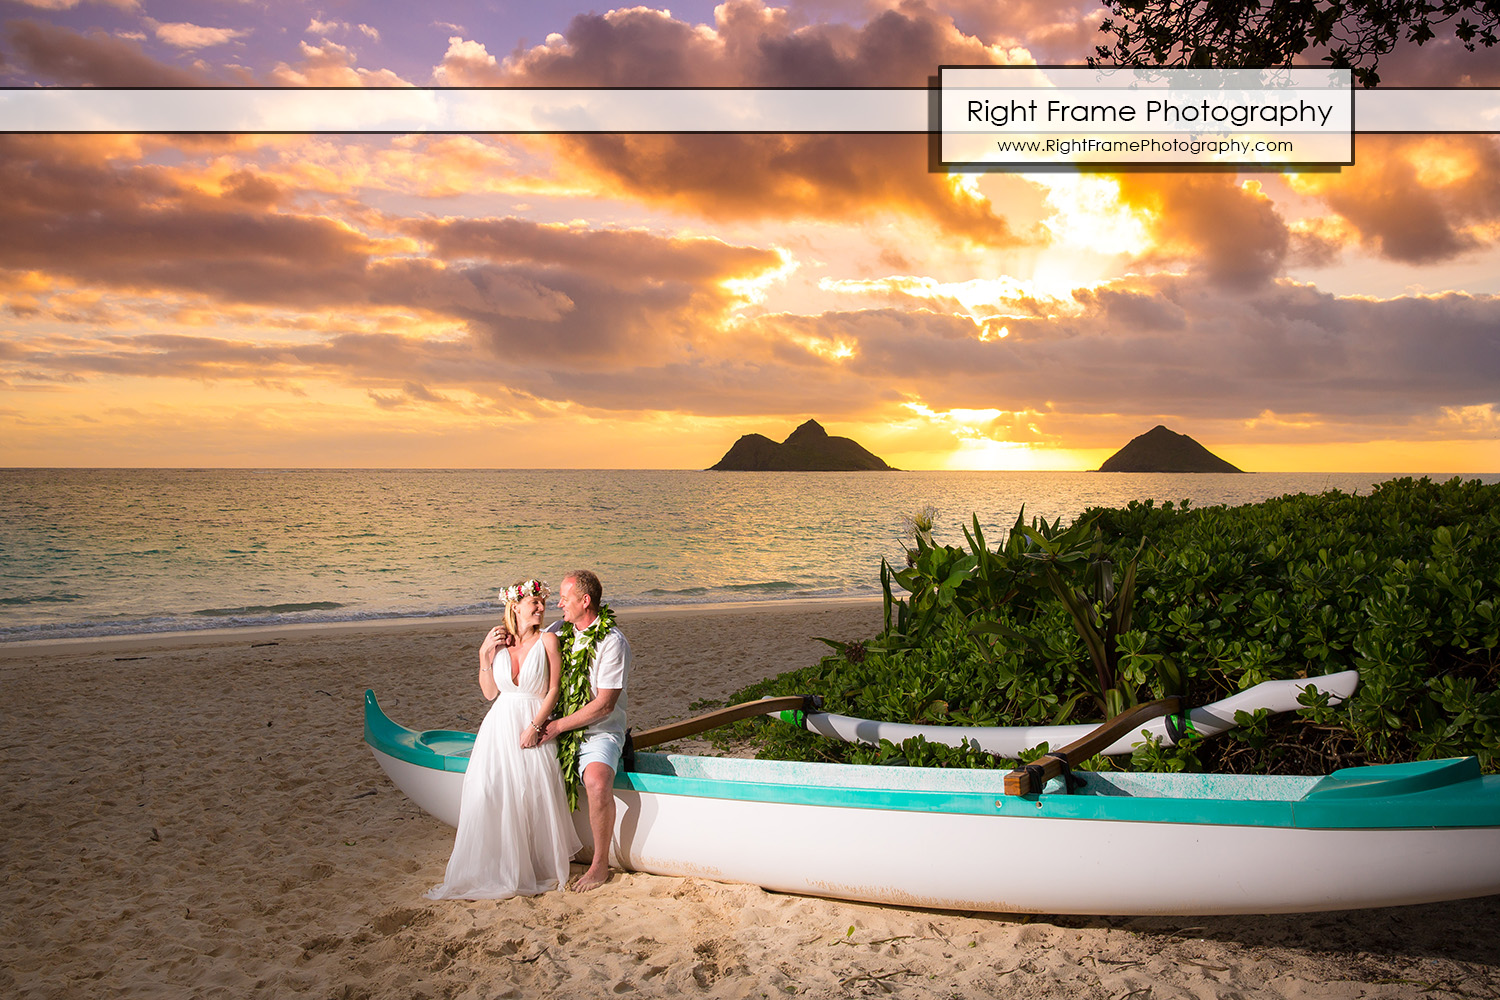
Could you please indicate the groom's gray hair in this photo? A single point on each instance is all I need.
(587, 581)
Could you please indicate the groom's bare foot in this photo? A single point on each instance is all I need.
(590, 879)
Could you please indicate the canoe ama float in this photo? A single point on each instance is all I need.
(950, 839)
(1009, 741)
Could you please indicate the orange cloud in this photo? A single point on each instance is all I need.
(184, 35)
(1226, 230)
(1416, 199)
(753, 177)
(331, 65)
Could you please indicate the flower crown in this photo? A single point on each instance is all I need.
(528, 588)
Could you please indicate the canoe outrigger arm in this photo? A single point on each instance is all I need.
(722, 717)
(1032, 778)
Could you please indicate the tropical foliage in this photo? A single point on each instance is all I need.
(1124, 605)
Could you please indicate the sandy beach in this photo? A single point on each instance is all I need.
(196, 816)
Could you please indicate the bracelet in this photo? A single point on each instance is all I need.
(540, 730)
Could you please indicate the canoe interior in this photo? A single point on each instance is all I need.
(988, 782)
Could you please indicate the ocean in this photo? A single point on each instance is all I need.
(94, 552)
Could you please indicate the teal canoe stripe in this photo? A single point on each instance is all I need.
(1145, 810)
(1472, 804)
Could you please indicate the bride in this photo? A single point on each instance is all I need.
(515, 834)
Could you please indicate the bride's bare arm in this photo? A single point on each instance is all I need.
(493, 643)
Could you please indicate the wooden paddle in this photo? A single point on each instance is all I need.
(1033, 777)
(734, 713)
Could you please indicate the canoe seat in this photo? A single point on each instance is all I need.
(449, 742)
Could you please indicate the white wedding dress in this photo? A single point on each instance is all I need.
(515, 834)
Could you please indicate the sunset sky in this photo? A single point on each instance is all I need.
(640, 301)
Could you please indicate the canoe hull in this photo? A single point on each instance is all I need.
(1026, 865)
(436, 793)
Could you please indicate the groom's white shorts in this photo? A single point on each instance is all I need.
(603, 748)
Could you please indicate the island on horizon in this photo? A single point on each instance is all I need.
(809, 448)
(1163, 450)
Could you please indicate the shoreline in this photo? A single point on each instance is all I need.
(211, 635)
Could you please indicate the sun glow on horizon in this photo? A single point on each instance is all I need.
(993, 440)
(988, 455)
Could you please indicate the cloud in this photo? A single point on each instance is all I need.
(183, 35)
(58, 55)
(136, 228)
(832, 177)
(410, 393)
(325, 28)
(331, 65)
(621, 255)
(1133, 309)
(464, 61)
(1225, 229)
(628, 291)
(251, 188)
(1045, 32)
(1416, 199)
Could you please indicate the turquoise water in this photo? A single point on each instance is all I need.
(117, 551)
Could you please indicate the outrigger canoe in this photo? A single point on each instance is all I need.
(1116, 844)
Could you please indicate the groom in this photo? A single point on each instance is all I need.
(602, 718)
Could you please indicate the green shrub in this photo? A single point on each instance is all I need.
(1130, 604)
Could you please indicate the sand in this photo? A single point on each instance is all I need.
(196, 816)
